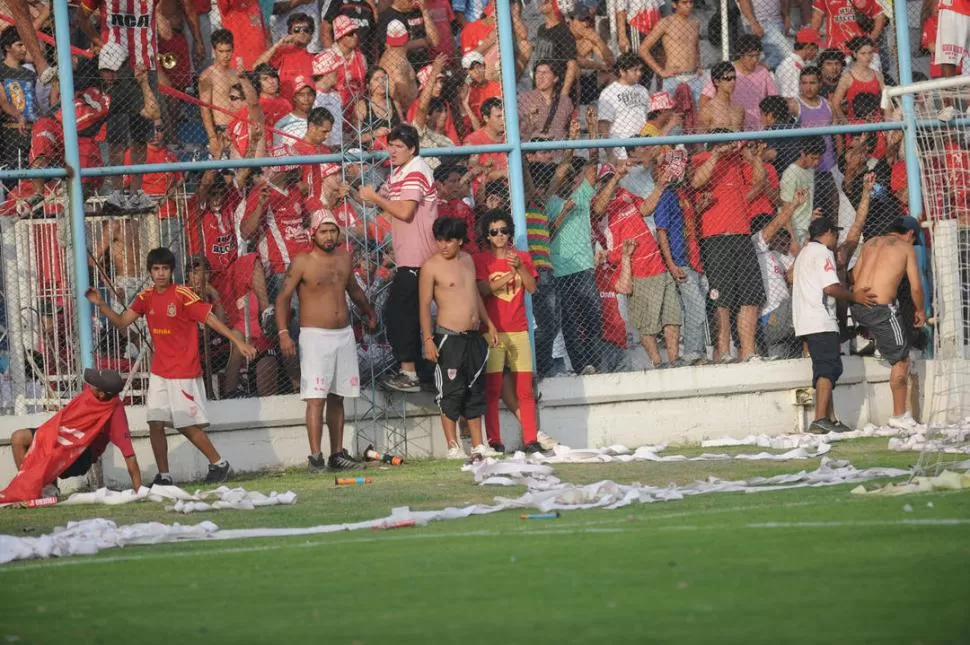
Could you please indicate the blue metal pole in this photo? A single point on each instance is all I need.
(72, 160)
(503, 11)
(904, 50)
(32, 173)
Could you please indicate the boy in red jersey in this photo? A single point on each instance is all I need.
(176, 394)
(504, 275)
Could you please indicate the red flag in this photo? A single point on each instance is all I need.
(58, 443)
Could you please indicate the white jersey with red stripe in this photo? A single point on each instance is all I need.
(283, 231)
(131, 24)
(958, 6)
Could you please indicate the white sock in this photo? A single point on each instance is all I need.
(222, 463)
(412, 374)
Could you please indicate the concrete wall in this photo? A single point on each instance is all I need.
(674, 406)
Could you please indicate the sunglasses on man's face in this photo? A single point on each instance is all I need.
(495, 232)
(302, 30)
(729, 78)
(235, 98)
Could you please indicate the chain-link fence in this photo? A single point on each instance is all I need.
(644, 256)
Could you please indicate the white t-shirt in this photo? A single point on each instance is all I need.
(793, 179)
(292, 125)
(625, 107)
(788, 76)
(774, 267)
(813, 311)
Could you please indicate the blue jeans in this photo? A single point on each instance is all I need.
(582, 318)
(545, 308)
(693, 297)
(775, 43)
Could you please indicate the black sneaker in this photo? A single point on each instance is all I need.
(163, 480)
(403, 383)
(533, 448)
(823, 426)
(219, 474)
(316, 464)
(843, 427)
(343, 461)
(497, 447)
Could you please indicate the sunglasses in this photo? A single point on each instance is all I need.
(729, 78)
(302, 30)
(235, 98)
(495, 232)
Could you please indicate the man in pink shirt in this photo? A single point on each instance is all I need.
(754, 81)
(410, 200)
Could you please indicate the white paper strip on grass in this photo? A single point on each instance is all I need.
(222, 498)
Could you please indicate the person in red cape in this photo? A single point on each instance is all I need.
(72, 440)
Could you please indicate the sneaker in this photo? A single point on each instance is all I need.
(117, 200)
(163, 480)
(497, 447)
(343, 461)
(533, 448)
(485, 451)
(823, 426)
(476, 458)
(219, 474)
(902, 422)
(50, 490)
(544, 440)
(589, 370)
(347, 455)
(843, 427)
(316, 464)
(139, 201)
(267, 322)
(403, 383)
(456, 451)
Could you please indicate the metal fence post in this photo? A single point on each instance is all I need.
(904, 52)
(72, 160)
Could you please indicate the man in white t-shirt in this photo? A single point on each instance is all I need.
(800, 175)
(816, 285)
(623, 104)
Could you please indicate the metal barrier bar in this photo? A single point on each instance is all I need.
(32, 173)
(909, 111)
(72, 159)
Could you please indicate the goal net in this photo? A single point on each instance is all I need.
(942, 111)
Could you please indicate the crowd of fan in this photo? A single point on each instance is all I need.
(686, 250)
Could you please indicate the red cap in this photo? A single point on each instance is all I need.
(397, 34)
(808, 36)
(342, 26)
(301, 82)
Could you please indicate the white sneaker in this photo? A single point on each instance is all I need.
(485, 450)
(547, 442)
(455, 451)
(50, 490)
(902, 422)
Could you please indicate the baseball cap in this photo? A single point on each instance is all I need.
(320, 215)
(328, 169)
(604, 171)
(325, 62)
(342, 26)
(108, 381)
(112, 56)
(300, 83)
(424, 74)
(660, 101)
(907, 223)
(822, 225)
(808, 36)
(471, 58)
(397, 34)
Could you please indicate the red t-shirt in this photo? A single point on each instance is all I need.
(928, 42)
(478, 94)
(173, 316)
(729, 214)
(507, 308)
(473, 34)
(115, 431)
(157, 183)
(625, 222)
(761, 204)
(458, 209)
(958, 6)
(274, 109)
(614, 328)
(283, 227)
(840, 19)
(290, 62)
(442, 15)
(244, 19)
(213, 234)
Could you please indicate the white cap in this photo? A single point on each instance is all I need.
(112, 56)
(471, 58)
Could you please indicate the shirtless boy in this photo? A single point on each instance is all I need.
(394, 61)
(883, 261)
(323, 278)
(719, 112)
(456, 344)
(215, 87)
(679, 35)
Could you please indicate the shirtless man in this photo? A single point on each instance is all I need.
(215, 87)
(455, 342)
(680, 36)
(883, 261)
(323, 279)
(394, 61)
(719, 112)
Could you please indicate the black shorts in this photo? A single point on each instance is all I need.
(825, 350)
(731, 265)
(125, 124)
(460, 373)
(886, 328)
(401, 316)
(81, 465)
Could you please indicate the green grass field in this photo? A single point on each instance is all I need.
(799, 566)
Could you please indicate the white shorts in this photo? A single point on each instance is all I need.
(952, 38)
(328, 363)
(176, 402)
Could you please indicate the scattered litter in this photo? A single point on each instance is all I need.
(907, 508)
(352, 481)
(540, 516)
(947, 480)
(222, 498)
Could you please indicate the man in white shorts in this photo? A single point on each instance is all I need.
(952, 35)
(176, 394)
(323, 279)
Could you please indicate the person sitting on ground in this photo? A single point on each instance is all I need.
(72, 441)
